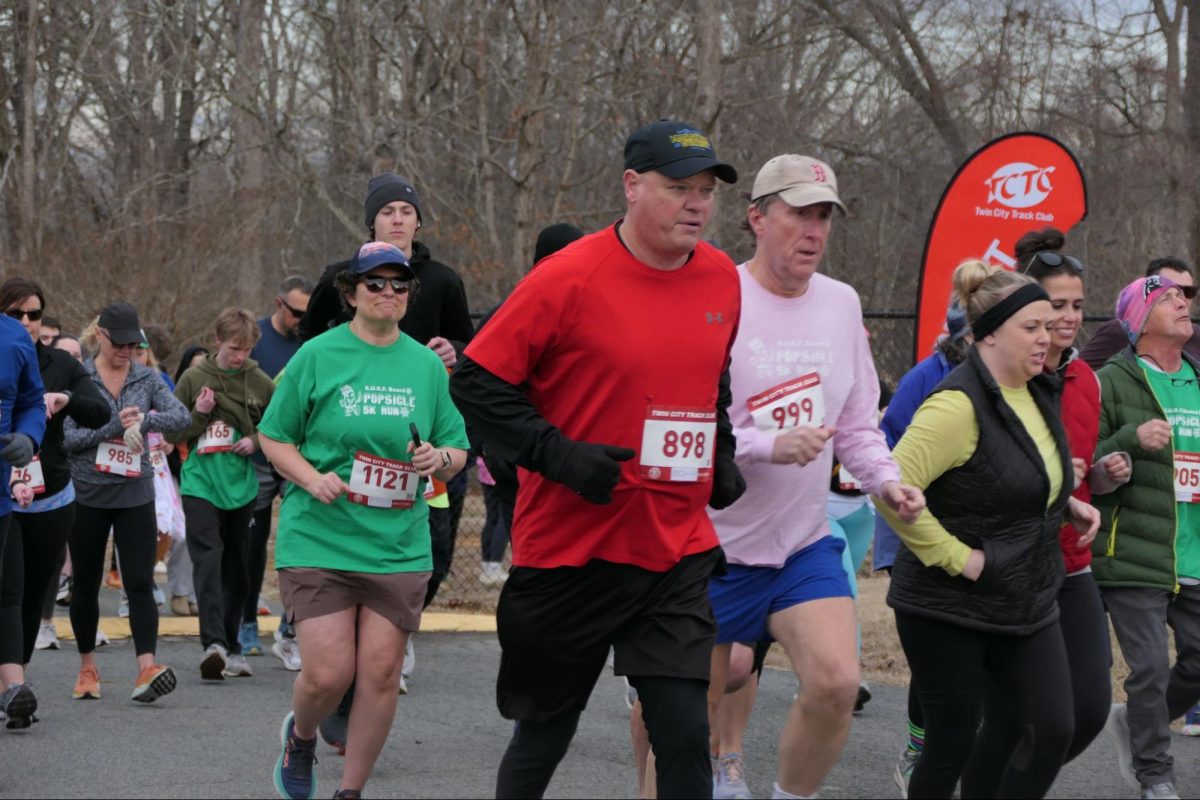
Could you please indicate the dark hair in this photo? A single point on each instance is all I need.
(186, 360)
(762, 204)
(16, 289)
(1159, 264)
(51, 322)
(1036, 242)
(954, 350)
(160, 341)
(62, 336)
(294, 282)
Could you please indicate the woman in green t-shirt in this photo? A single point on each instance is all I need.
(352, 546)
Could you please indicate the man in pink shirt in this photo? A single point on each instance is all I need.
(804, 388)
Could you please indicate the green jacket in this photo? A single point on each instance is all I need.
(1136, 542)
(242, 397)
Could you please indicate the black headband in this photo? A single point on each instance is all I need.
(998, 314)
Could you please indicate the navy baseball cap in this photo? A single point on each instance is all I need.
(675, 149)
(380, 254)
(120, 322)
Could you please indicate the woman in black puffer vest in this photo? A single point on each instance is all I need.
(974, 590)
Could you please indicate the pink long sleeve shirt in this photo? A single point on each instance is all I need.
(798, 361)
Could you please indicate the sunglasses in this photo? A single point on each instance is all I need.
(375, 285)
(295, 312)
(1054, 260)
(115, 346)
(17, 313)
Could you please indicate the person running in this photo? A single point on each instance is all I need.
(278, 342)
(1081, 611)
(38, 532)
(114, 485)
(803, 385)
(1110, 339)
(975, 588)
(619, 455)
(361, 418)
(1147, 563)
(228, 394)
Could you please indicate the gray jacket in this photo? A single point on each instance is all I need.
(144, 388)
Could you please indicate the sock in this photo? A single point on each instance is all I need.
(916, 737)
(780, 794)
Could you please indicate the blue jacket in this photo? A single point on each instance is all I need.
(914, 387)
(22, 398)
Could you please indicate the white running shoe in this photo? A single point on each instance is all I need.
(160, 599)
(904, 770)
(237, 667)
(216, 659)
(730, 778)
(1117, 728)
(47, 638)
(101, 637)
(1161, 791)
(123, 608)
(410, 659)
(492, 573)
(288, 651)
(160, 568)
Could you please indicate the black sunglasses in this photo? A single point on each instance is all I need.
(297, 313)
(375, 285)
(17, 313)
(1055, 260)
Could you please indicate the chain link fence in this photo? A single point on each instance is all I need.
(892, 334)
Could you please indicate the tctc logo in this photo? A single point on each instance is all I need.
(1019, 185)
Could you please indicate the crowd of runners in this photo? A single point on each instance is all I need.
(693, 458)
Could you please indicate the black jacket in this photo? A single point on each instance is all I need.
(62, 373)
(440, 308)
(996, 502)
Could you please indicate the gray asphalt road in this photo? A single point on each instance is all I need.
(221, 740)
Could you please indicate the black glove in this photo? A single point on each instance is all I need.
(591, 470)
(727, 484)
(16, 449)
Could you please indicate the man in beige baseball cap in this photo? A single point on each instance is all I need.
(798, 180)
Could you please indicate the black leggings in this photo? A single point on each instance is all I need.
(441, 535)
(256, 560)
(31, 557)
(135, 534)
(952, 666)
(676, 715)
(1089, 656)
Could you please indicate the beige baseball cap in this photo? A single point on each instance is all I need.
(799, 180)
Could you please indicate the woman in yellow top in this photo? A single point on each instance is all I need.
(974, 590)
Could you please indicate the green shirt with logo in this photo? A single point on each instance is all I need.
(1179, 395)
(339, 396)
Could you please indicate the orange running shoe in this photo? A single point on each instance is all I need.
(87, 686)
(154, 682)
(113, 579)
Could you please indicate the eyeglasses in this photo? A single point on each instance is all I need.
(375, 285)
(16, 313)
(1054, 260)
(293, 311)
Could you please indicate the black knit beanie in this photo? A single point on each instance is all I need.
(554, 238)
(388, 188)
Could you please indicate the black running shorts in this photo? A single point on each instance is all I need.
(556, 626)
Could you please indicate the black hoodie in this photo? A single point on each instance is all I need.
(62, 373)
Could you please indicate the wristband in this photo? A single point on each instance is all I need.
(447, 462)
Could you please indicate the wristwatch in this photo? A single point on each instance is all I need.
(447, 462)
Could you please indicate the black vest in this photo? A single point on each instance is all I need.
(996, 502)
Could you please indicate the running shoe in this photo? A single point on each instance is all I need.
(492, 573)
(403, 687)
(123, 608)
(335, 728)
(248, 639)
(410, 659)
(63, 596)
(264, 610)
(864, 697)
(1117, 728)
(630, 693)
(113, 580)
(155, 681)
(295, 778)
(237, 667)
(87, 685)
(1161, 791)
(347, 794)
(160, 599)
(904, 770)
(47, 638)
(101, 637)
(18, 704)
(730, 778)
(216, 659)
(160, 568)
(179, 606)
(288, 651)
(1191, 722)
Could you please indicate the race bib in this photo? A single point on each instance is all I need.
(382, 483)
(796, 402)
(32, 474)
(846, 481)
(1187, 477)
(677, 444)
(218, 437)
(118, 458)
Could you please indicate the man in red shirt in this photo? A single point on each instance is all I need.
(604, 378)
